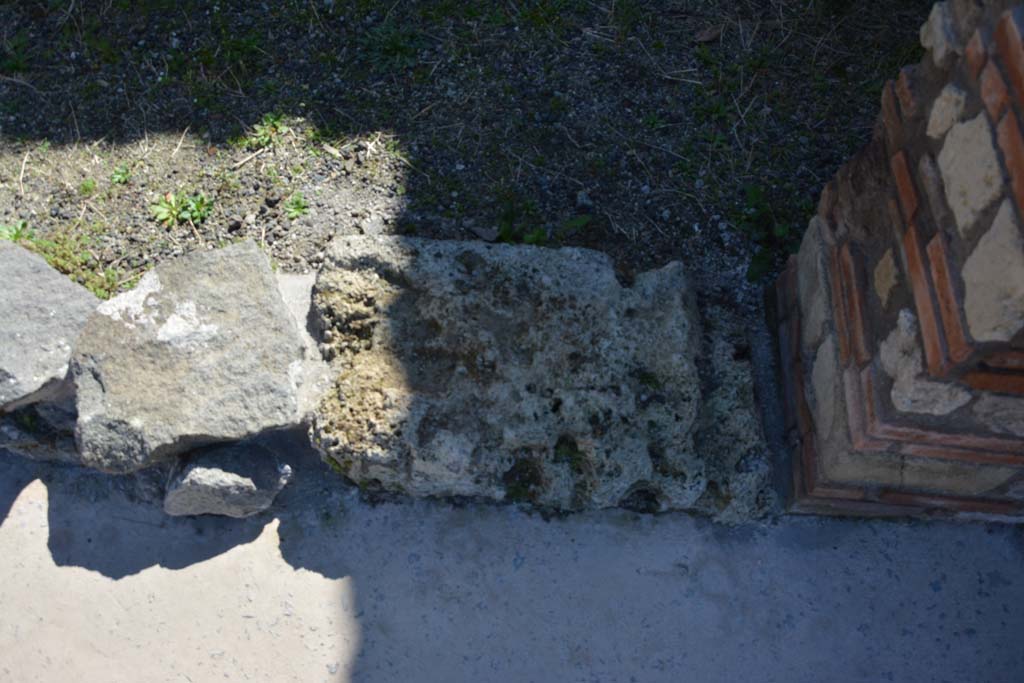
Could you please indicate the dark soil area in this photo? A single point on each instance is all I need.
(131, 131)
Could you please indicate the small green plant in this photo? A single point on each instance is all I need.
(768, 228)
(27, 419)
(267, 132)
(87, 188)
(198, 208)
(523, 481)
(567, 451)
(649, 379)
(296, 206)
(574, 225)
(14, 55)
(393, 46)
(168, 209)
(705, 56)
(653, 121)
(68, 251)
(536, 237)
(519, 219)
(15, 233)
(121, 175)
(173, 208)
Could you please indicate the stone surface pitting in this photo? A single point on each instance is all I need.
(41, 315)
(203, 350)
(238, 481)
(510, 373)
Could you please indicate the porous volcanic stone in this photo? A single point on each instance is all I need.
(509, 372)
(239, 480)
(41, 315)
(202, 350)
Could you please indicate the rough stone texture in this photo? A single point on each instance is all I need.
(900, 354)
(510, 373)
(970, 171)
(1001, 414)
(297, 292)
(946, 110)
(939, 35)
(730, 439)
(202, 350)
(995, 305)
(240, 480)
(41, 315)
(885, 277)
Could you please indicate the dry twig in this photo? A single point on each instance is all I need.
(21, 176)
(249, 158)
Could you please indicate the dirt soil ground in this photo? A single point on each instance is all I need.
(131, 132)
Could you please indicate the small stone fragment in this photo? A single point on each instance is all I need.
(42, 313)
(239, 480)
